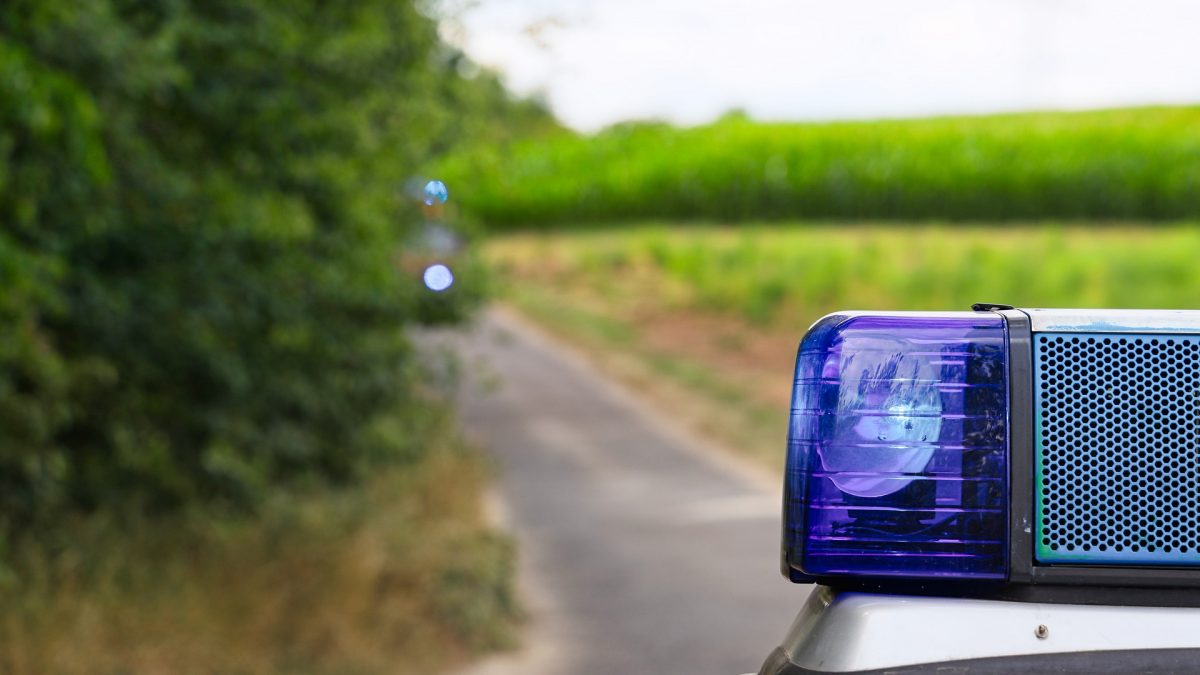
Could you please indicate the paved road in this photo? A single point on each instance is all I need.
(643, 551)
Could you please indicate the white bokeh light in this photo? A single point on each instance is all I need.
(438, 277)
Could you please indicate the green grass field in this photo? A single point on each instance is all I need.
(707, 318)
(787, 276)
(1139, 163)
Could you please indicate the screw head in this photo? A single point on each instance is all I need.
(1042, 632)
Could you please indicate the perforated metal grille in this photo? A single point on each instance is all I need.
(1118, 448)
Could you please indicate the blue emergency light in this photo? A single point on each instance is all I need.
(996, 446)
(897, 449)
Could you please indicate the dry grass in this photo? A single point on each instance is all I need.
(398, 576)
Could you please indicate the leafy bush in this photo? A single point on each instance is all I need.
(199, 223)
(1137, 163)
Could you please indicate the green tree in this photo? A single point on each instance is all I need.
(199, 221)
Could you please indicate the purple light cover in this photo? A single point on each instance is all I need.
(898, 448)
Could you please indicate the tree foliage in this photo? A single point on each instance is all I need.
(199, 221)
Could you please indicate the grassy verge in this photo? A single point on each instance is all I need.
(400, 575)
(736, 409)
(706, 319)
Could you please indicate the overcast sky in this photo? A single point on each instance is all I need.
(602, 61)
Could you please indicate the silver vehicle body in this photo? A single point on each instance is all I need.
(847, 632)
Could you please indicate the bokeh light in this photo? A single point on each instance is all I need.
(438, 277)
(435, 193)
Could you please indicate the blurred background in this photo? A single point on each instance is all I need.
(223, 222)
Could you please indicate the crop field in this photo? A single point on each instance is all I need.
(708, 318)
(1135, 164)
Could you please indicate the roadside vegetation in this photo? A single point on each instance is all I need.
(217, 450)
(706, 319)
(1132, 164)
(398, 573)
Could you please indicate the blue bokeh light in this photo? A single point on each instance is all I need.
(438, 277)
(435, 192)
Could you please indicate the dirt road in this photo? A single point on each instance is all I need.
(643, 550)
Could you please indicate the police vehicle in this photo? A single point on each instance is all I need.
(1000, 490)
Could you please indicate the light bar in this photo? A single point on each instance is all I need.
(898, 448)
